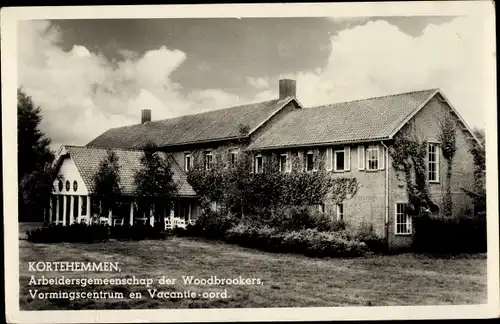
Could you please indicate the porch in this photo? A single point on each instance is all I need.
(69, 209)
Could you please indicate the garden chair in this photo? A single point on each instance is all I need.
(142, 220)
(103, 220)
(180, 223)
(168, 224)
(118, 221)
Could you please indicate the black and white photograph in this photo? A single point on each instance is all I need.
(273, 162)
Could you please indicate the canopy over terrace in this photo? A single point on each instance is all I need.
(72, 197)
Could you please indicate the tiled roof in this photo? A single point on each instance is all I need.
(209, 126)
(88, 159)
(360, 120)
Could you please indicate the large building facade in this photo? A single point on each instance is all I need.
(352, 139)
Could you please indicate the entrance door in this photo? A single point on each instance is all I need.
(68, 209)
(60, 202)
(75, 208)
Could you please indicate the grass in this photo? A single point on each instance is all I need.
(287, 280)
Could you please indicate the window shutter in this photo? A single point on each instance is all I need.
(347, 158)
(302, 165)
(329, 159)
(253, 163)
(361, 157)
(381, 157)
(289, 160)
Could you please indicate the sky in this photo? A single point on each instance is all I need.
(92, 75)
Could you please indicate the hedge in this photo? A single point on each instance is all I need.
(449, 235)
(94, 233)
(71, 233)
(309, 242)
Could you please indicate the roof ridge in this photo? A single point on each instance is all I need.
(105, 148)
(199, 113)
(375, 97)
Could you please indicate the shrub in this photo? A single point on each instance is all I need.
(71, 233)
(449, 235)
(138, 232)
(366, 234)
(310, 242)
(212, 225)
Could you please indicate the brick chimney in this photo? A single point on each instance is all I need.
(145, 116)
(287, 88)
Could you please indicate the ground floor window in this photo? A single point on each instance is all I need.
(340, 212)
(403, 220)
(84, 205)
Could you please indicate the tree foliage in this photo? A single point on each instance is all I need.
(154, 181)
(447, 137)
(478, 193)
(107, 181)
(242, 192)
(408, 154)
(35, 170)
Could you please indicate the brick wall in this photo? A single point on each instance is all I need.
(426, 123)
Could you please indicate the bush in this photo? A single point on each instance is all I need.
(71, 233)
(366, 234)
(449, 235)
(211, 225)
(310, 242)
(138, 232)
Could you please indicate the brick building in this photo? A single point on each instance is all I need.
(352, 137)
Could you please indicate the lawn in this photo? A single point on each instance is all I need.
(287, 280)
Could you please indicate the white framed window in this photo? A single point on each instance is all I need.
(310, 161)
(233, 157)
(339, 158)
(372, 158)
(187, 161)
(284, 163)
(403, 221)
(340, 212)
(258, 163)
(208, 160)
(433, 160)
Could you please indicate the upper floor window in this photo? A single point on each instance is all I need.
(258, 164)
(233, 157)
(60, 185)
(433, 159)
(67, 185)
(372, 158)
(75, 185)
(187, 161)
(283, 162)
(339, 160)
(208, 160)
(310, 161)
(403, 220)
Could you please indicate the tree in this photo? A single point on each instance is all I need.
(478, 193)
(107, 182)
(35, 170)
(154, 182)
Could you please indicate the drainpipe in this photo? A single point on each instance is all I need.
(386, 157)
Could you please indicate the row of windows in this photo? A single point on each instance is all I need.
(338, 160)
(67, 185)
(370, 158)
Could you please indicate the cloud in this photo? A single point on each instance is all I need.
(82, 94)
(259, 83)
(378, 59)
